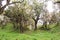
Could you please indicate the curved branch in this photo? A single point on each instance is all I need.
(3, 7)
(11, 3)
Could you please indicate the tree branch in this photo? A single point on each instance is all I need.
(11, 3)
(3, 7)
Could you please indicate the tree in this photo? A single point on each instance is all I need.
(18, 16)
(37, 9)
(50, 17)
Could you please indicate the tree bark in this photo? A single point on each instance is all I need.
(35, 25)
(36, 20)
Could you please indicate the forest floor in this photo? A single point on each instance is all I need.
(8, 34)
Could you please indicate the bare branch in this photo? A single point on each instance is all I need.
(2, 8)
(11, 3)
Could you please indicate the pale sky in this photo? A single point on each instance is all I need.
(50, 6)
(4, 2)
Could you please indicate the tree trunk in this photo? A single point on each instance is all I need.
(35, 25)
(21, 28)
(57, 24)
(44, 25)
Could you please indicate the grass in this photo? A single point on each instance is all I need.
(8, 34)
